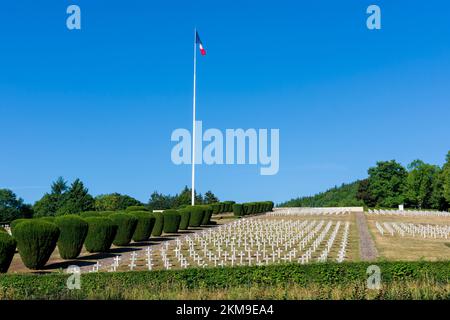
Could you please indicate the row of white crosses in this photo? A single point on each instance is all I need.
(411, 229)
(258, 242)
(246, 242)
(342, 251)
(416, 213)
(308, 211)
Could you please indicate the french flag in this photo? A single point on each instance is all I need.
(200, 44)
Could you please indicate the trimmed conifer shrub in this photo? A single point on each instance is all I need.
(36, 241)
(7, 250)
(229, 206)
(185, 215)
(73, 231)
(144, 227)
(207, 215)
(106, 214)
(100, 235)
(89, 214)
(171, 221)
(238, 210)
(126, 225)
(215, 208)
(159, 224)
(14, 223)
(196, 219)
(47, 219)
(136, 208)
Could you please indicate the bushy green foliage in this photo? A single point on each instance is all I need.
(144, 227)
(53, 286)
(73, 232)
(64, 199)
(228, 206)
(36, 240)
(159, 201)
(101, 234)
(126, 225)
(115, 202)
(50, 203)
(216, 208)
(11, 207)
(424, 186)
(197, 213)
(171, 221)
(419, 184)
(90, 214)
(238, 210)
(210, 198)
(387, 183)
(76, 199)
(159, 224)
(15, 223)
(136, 208)
(343, 196)
(185, 215)
(47, 219)
(207, 213)
(252, 208)
(7, 250)
(445, 181)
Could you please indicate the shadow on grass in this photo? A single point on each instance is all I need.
(66, 264)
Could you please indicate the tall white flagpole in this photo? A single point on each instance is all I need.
(193, 120)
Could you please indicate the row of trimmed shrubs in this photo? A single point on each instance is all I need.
(217, 207)
(36, 239)
(247, 208)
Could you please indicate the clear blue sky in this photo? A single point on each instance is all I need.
(101, 103)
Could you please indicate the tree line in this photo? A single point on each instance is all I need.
(73, 198)
(419, 186)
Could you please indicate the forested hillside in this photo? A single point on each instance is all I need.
(342, 196)
(420, 186)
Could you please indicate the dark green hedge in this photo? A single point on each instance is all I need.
(238, 211)
(257, 207)
(36, 240)
(126, 225)
(207, 213)
(16, 222)
(197, 213)
(144, 227)
(185, 215)
(53, 286)
(159, 224)
(7, 250)
(228, 206)
(171, 221)
(73, 233)
(215, 207)
(136, 208)
(101, 234)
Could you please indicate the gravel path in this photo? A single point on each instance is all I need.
(367, 249)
